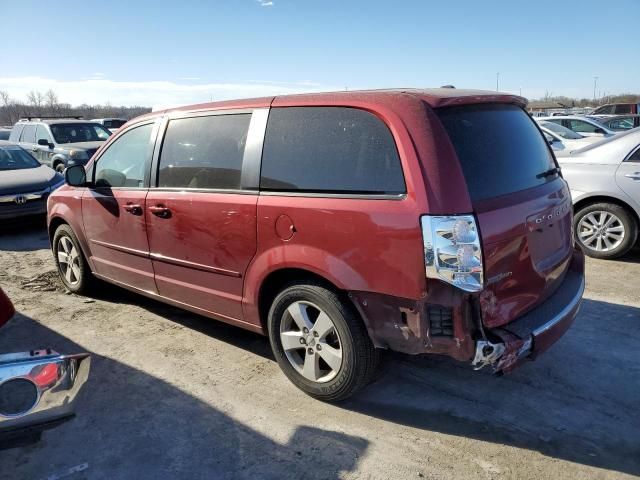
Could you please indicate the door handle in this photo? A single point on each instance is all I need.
(160, 211)
(34, 149)
(633, 176)
(133, 208)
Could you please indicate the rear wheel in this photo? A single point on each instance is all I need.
(320, 342)
(605, 230)
(72, 266)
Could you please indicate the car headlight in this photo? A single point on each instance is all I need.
(452, 250)
(78, 155)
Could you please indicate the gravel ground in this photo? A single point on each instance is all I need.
(173, 395)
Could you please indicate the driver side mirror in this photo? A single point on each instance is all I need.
(600, 131)
(44, 143)
(76, 176)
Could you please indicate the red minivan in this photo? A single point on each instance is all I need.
(421, 221)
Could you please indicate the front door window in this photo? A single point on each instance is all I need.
(124, 163)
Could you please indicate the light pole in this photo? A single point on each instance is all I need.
(497, 81)
(595, 83)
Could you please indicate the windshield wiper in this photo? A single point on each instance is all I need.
(548, 173)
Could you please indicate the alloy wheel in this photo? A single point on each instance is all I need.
(601, 231)
(69, 260)
(310, 342)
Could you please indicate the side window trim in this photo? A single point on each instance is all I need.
(250, 174)
(152, 143)
(633, 152)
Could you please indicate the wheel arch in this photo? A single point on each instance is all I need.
(276, 280)
(54, 223)
(56, 159)
(57, 218)
(590, 200)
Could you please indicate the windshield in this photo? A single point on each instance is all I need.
(79, 132)
(114, 123)
(499, 147)
(16, 159)
(561, 131)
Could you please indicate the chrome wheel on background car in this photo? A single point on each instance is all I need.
(311, 342)
(605, 230)
(68, 260)
(601, 231)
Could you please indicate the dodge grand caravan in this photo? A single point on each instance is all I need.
(338, 224)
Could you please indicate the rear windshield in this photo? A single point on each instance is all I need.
(500, 149)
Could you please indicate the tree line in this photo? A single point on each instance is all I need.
(589, 102)
(47, 104)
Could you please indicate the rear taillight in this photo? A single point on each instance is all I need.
(452, 250)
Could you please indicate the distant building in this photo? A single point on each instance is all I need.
(543, 108)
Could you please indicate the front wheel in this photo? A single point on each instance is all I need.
(72, 266)
(605, 230)
(320, 342)
(59, 168)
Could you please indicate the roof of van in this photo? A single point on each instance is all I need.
(434, 97)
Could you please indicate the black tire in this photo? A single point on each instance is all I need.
(626, 219)
(59, 167)
(85, 280)
(359, 356)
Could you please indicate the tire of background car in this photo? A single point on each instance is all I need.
(621, 231)
(72, 266)
(334, 357)
(59, 167)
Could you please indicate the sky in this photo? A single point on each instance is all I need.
(161, 53)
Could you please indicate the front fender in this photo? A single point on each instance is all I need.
(65, 205)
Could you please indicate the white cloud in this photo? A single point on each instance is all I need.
(265, 3)
(147, 93)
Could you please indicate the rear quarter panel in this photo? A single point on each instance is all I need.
(358, 244)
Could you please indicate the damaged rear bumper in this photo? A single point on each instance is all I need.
(534, 332)
(408, 326)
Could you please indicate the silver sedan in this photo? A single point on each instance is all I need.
(604, 179)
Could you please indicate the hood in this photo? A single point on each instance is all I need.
(26, 180)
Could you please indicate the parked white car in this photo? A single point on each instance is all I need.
(585, 126)
(604, 179)
(562, 140)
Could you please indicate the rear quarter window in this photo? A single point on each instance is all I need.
(28, 134)
(500, 149)
(329, 150)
